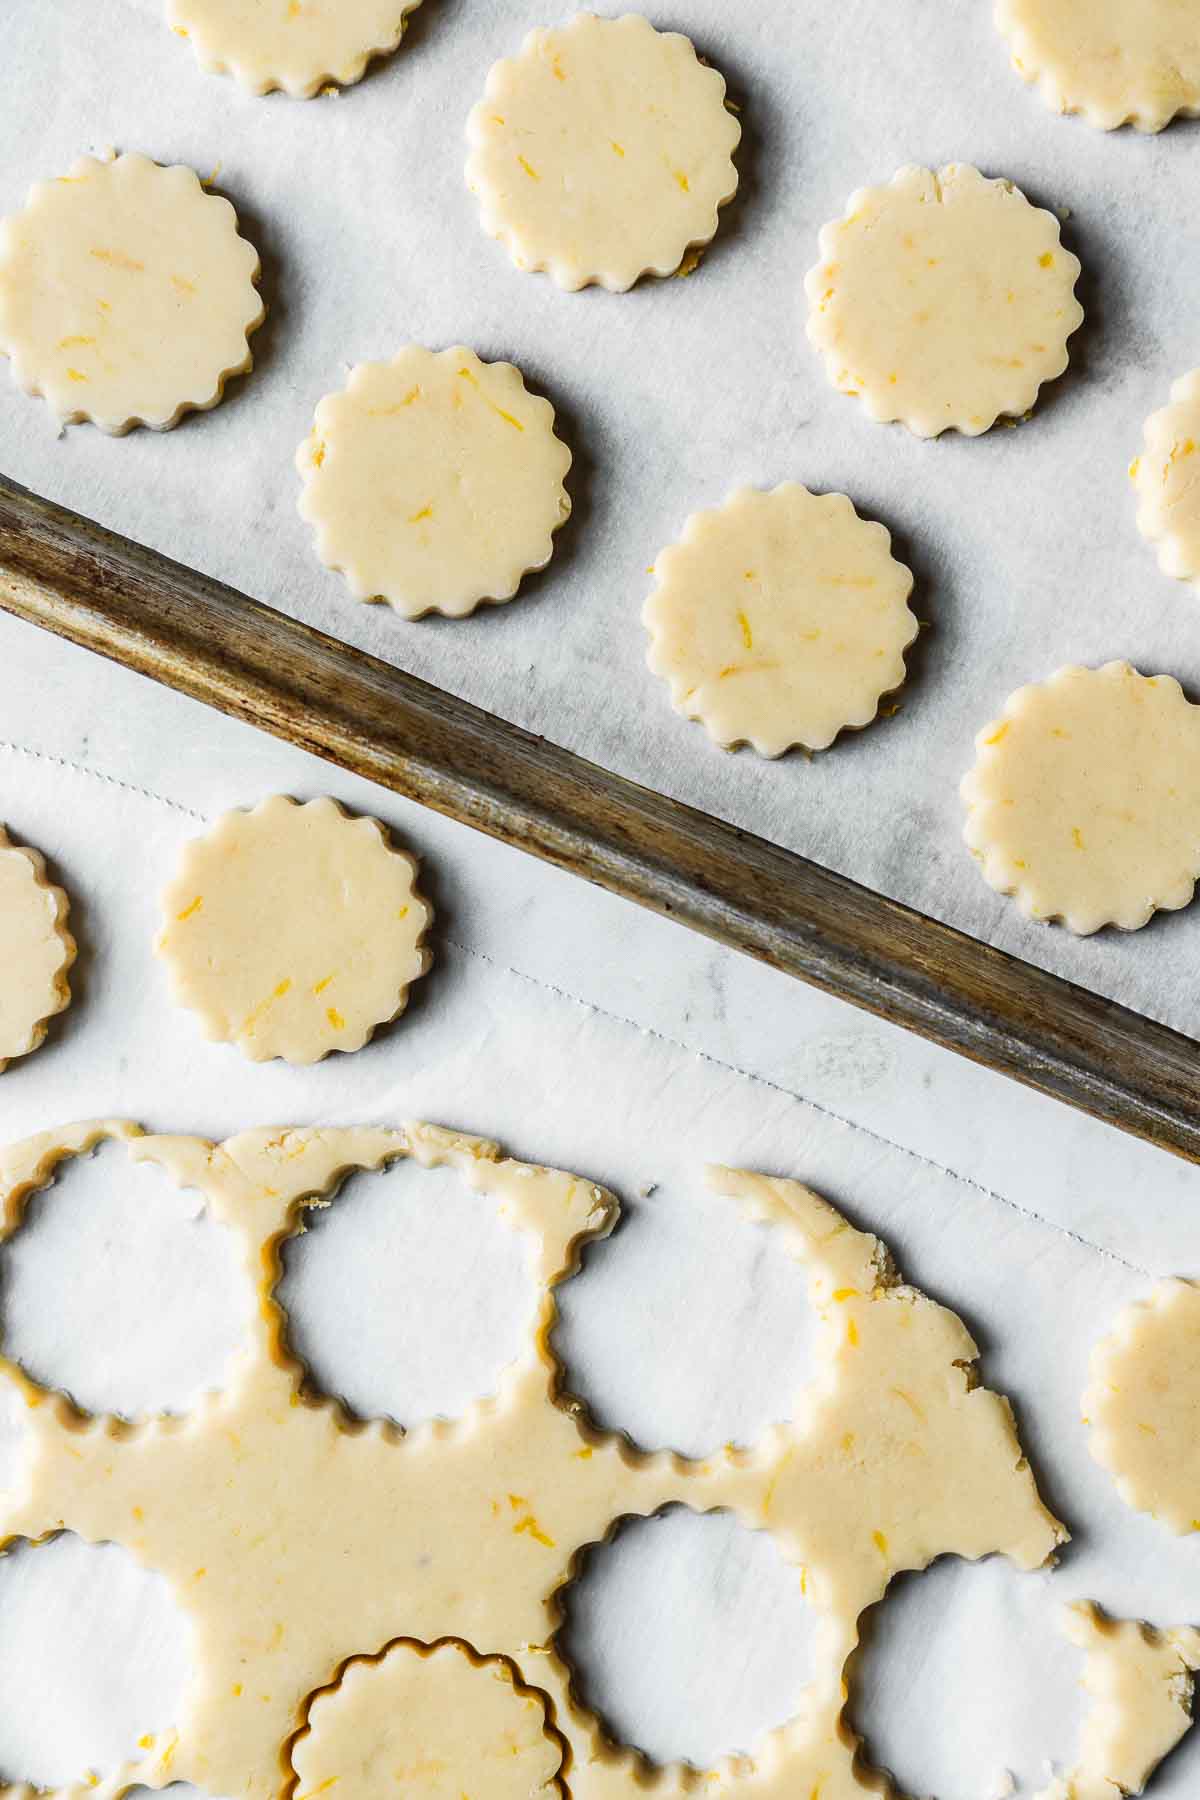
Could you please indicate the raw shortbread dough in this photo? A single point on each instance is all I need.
(293, 930)
(1139, 1684)
(126, 294)
(36, 950)
(1143, 1405)
(443, 1720)
(296, 45)
(1166, 479)
(780, 619)
(1084, 801)
(471, 1529)
(434, 481)
(602, 152)
(1117, 62)
(943, 300)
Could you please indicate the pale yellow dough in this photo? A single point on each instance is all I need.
(36, 950)
(780, 619)
(1118, 62)
(1166, 479)
(943, 300)
(1084, 801)
(602, 152)
(434, 481)
(127, 295)
(296, 45)
(293, 930)
(1143, 1405)
(440, 1722)
(1139, 1684)
(294, 1542)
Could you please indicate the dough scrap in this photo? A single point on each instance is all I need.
(293, 930)
(36, 950)
(602, 152)
(943, 300)
(439, 1717)
(296, 45)
(1143, 1405)
(1139, 1687)
(127, 295)
(1084, 801)
(434, 481)
(1118, 62)
(471, 1529)
(780, 619)
(1165, 481)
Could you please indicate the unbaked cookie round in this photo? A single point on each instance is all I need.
(126, 294)
(293, 930)
(1166, 479)
(780, 619)
(943, 300)
(434, 481)
(1143, 1405)
(36, 950)
(1118, 62)
(602, 152)
(296, 45)
(441, 1722)
(1084, 801)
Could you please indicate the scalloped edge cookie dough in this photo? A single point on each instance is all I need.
(435, 481)
(943, 300)
(472, 1529)
(297, 46)
(1118, 62)
(602, 152)
(1166, 481)
(127, 294)
(1142, 1405)
(293, 930)
(36, 950)
(780, 619)
(1139, 1686)
(1084, 800)
(438, 1714)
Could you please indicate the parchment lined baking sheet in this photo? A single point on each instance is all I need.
(1023, 542)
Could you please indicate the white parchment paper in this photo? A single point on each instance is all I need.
(1023, 542)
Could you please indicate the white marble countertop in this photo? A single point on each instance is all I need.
(568, 1025)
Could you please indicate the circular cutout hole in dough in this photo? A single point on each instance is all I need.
(293, 930)
(1143, 1405)
(36, 950)
(1118, 62)
(1166, 480)
(780, 619)
(602, 152)
(299, 46)
(943, 300)
(440, 1721)
(1084, 801)
(127, 295)
(434, 481)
